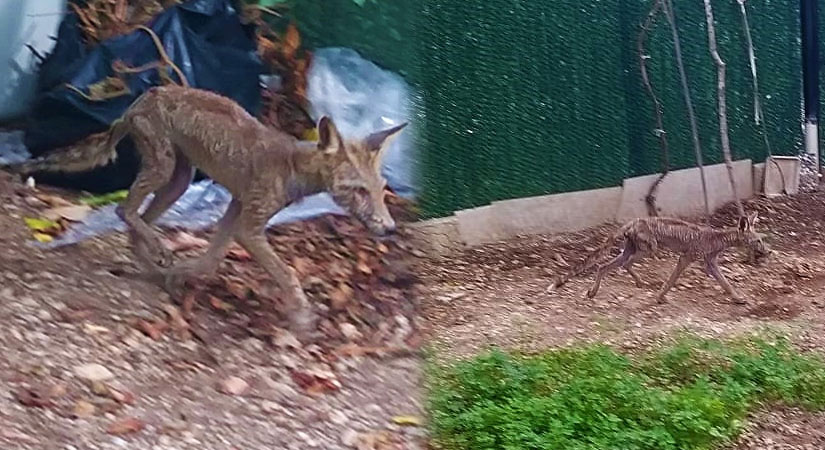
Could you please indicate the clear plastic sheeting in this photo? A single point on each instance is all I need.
(201, 206)
(360, 97)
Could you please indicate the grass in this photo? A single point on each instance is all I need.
(692, 394)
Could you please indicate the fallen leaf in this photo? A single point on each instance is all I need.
(43, 238)
(407, 421)
(73, 213)
(105, 199)
(124, 397)
(152, 329)
(83, 409)
(220, 304)
(340, 296)
(301, 265)
(41, 396)
(183, 241)
(52, 200)
(99, 388)
(237, 253)
(314, 384)
(41, 225)
(125, 426)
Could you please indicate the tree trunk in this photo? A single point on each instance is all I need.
(723, 117)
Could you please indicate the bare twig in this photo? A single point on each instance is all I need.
(650, 199)
(723, 117)
(697, 148)
(758, 114)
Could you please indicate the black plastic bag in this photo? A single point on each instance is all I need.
(204, 38)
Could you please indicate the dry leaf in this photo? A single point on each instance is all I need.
(152, 329)
(43, 238)
(53, 200)
(183, 241)
(340, 296)
(220, 304)
(407, 421)
(73, 213)
(125, 426)
(83, 409)
(314, 384)
(40, 396)
(237, 253)
(302, 265)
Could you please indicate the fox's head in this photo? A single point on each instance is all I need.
(754, 241)
(354, 177)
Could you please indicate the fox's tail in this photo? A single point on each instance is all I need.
(93, 151)
(592, 259)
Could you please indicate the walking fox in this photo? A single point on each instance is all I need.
(645, 236)
(177, 129)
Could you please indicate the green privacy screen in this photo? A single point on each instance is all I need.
(529, 97)
(533, 97)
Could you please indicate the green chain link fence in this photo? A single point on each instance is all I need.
(530, 97)
(526, 98)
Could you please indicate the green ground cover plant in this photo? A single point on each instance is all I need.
(691, 394)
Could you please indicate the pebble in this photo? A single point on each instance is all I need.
(233, 386)
(93, 372)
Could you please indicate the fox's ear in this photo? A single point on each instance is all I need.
(753, 218)
(380, 141)
(329, 139)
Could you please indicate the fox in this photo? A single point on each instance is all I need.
(645, 236)
(177, 130)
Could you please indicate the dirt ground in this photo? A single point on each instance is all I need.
(93, 360)
(496, 295)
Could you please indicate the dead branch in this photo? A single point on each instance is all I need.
(677, 49)
(758, 114)
(723, 117)
(650, 198)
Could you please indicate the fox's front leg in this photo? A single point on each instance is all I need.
(302, 318)
(250, 234)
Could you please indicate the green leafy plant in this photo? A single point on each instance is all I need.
(693, 394)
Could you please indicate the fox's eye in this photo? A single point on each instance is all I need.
(362, 192)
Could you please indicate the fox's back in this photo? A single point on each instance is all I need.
(678, 235)
(215, 133)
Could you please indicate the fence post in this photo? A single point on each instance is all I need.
(810, 79)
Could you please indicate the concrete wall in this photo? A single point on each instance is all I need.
(532, 215)
(680, 194)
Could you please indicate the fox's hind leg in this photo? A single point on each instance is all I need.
(156, 169)
(627, 255)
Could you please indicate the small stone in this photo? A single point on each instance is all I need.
(350, 438)
(233, 386)
(350, 332)
(338, 417)
(93, 372)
